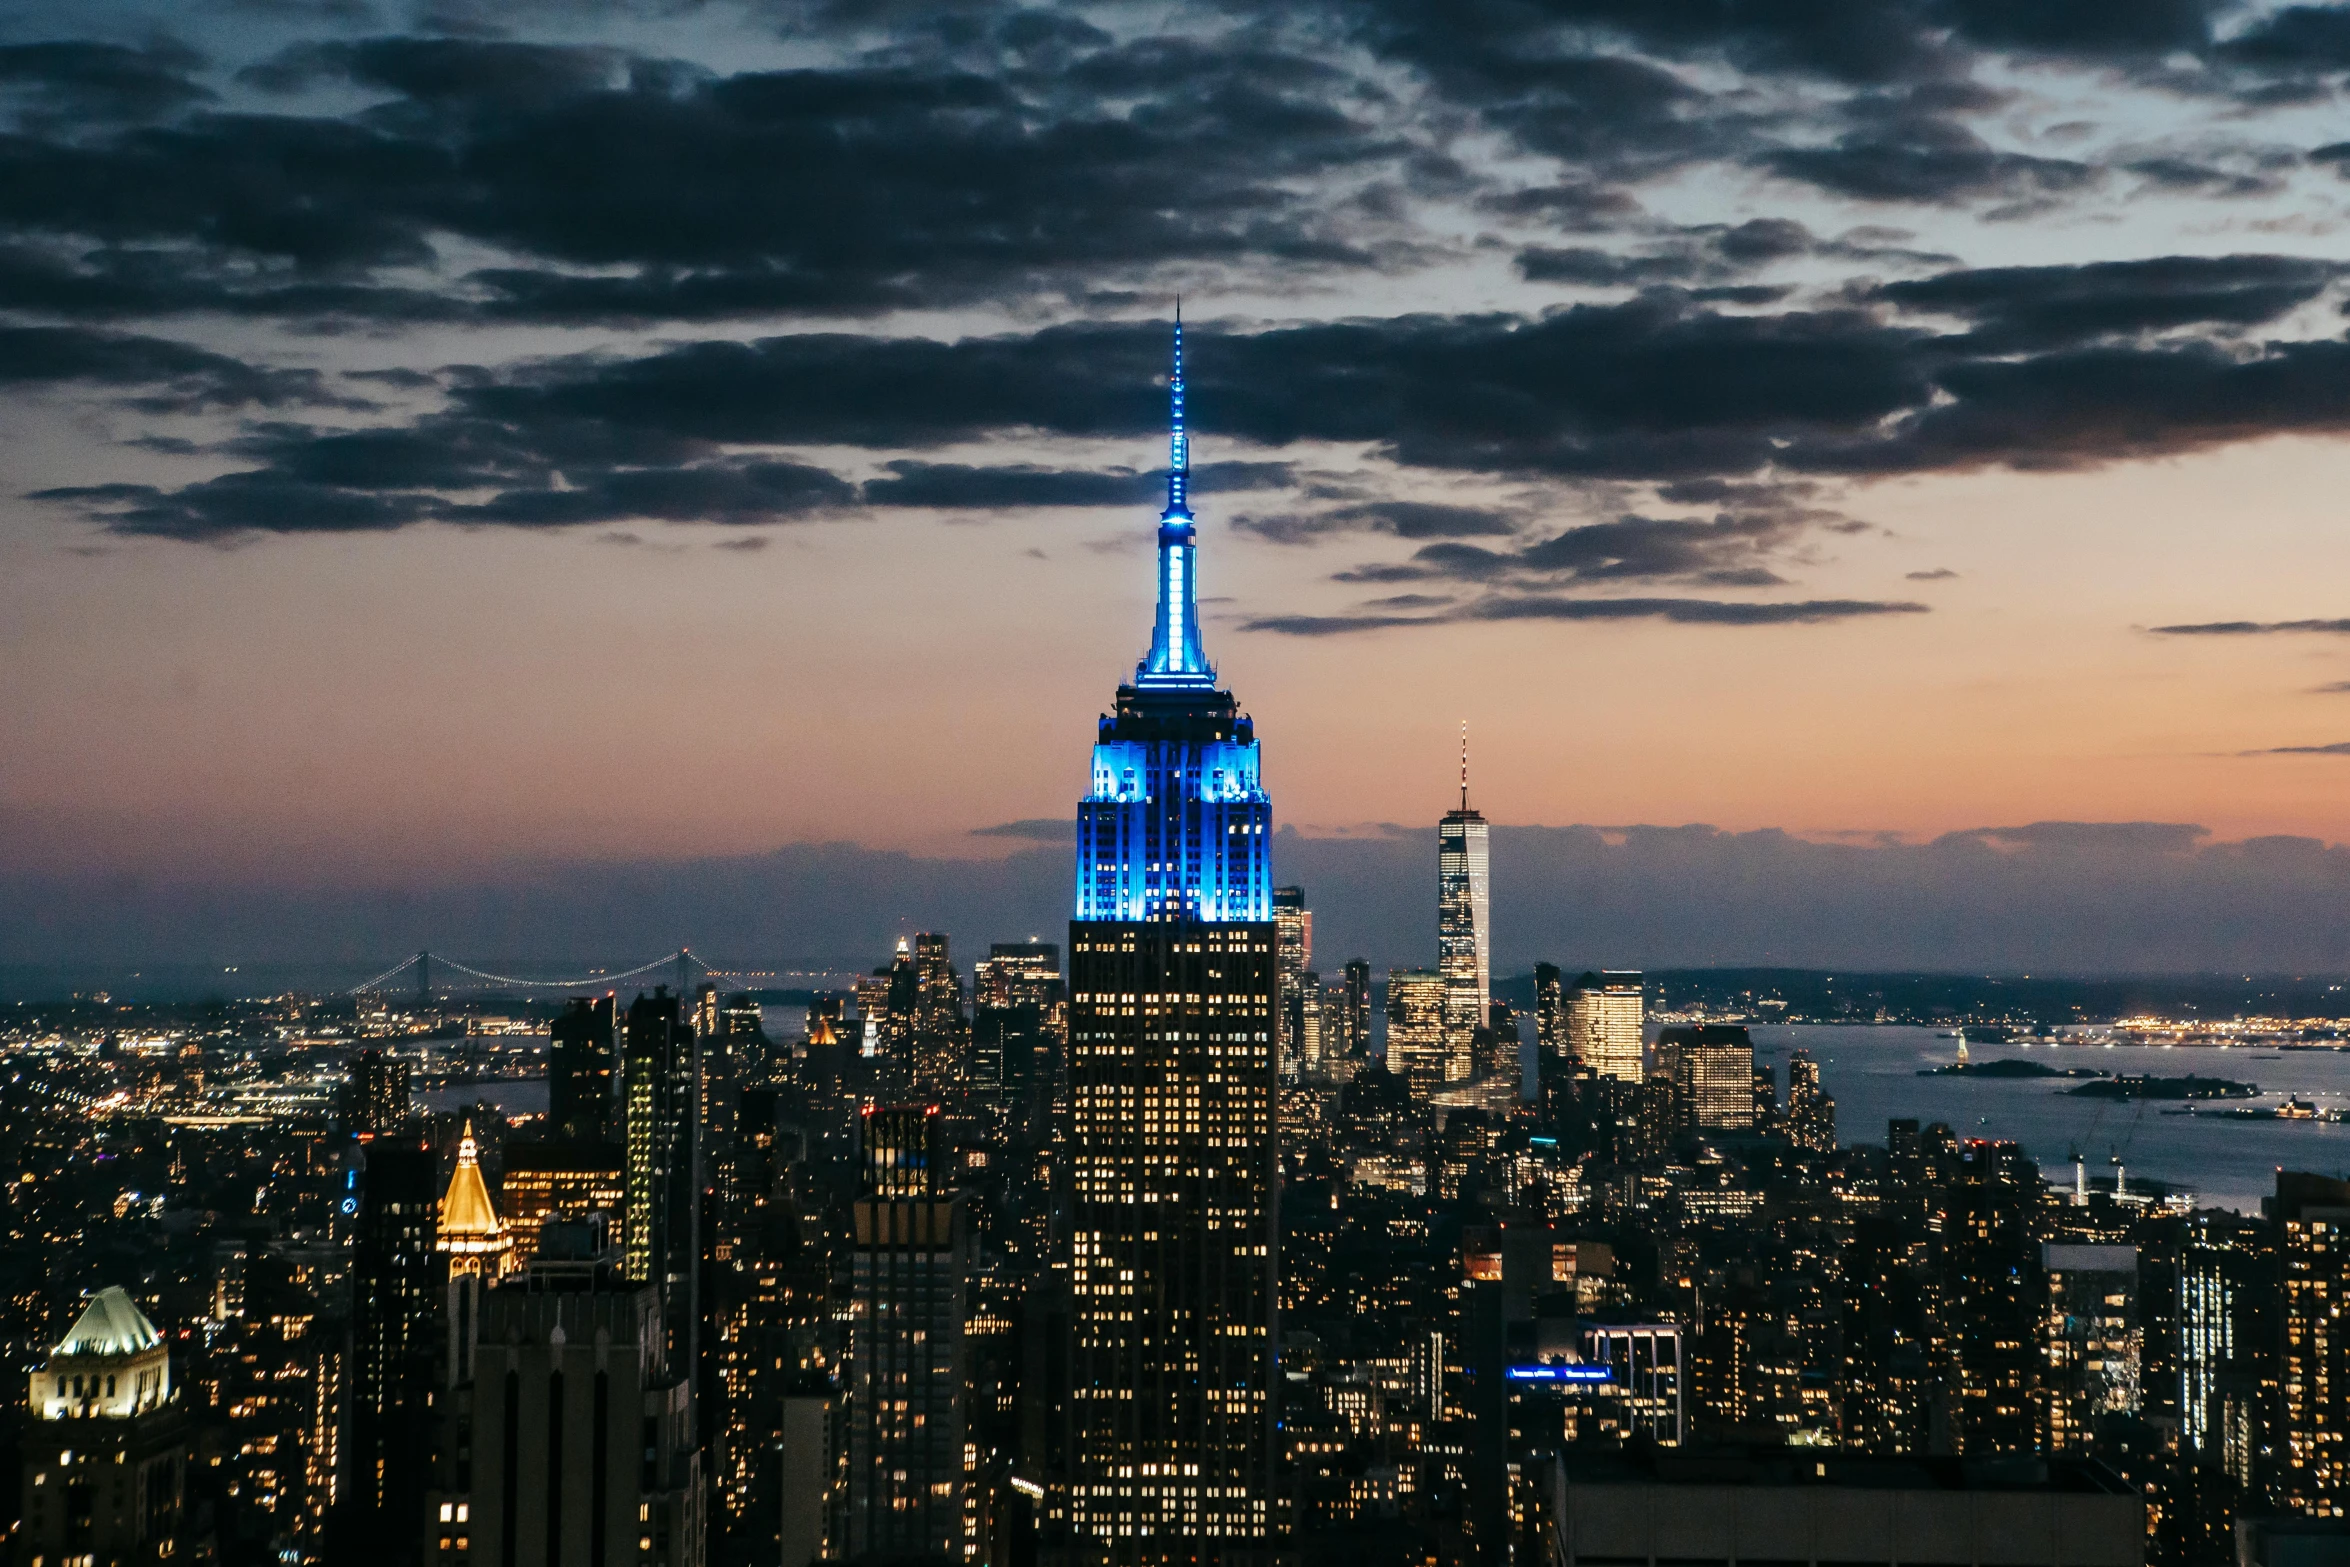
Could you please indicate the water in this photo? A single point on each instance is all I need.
(520, 1096)
(1872, 1071)
(528, 1096)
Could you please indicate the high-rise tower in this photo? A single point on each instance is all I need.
(1464, 922)
(1173, 991)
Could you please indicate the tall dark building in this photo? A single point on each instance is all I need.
(397, 1278)
(2312, 1218)
(769, 1311)
(1293, 925)
(376, 1094)
(1173, 983)
(579, 1070)
(1993, 1290)
(1550, 1013)
(1355, 1011)
(909, 1273)
(2223, 1341)
(1811, 1109)
(663, 1126)
(941, 1032)
(575, 1435)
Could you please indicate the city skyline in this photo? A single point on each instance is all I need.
(650, 494)
(1848, 470)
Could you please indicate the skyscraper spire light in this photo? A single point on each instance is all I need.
(1464, 764)
(1178, 444)
(1176, 657)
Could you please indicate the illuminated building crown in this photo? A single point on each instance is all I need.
(1178, 825)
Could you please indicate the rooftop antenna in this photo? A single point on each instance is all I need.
(1464, 764)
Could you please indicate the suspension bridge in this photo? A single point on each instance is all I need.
(428, 968)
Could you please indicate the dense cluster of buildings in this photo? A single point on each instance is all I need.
(1145, 1249)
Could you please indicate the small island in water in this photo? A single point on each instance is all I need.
(2008, 1068)
(2189, 1087)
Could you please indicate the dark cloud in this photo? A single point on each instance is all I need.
(1725, 550)
(1033, 829)
(699, 196)
(2027, 308)
(1403, 519)
(1659, 388)
(1654, 386)
(2296, 39)
(1949, 166)
(2085, 407)
(1710, 253)
(1937, 574)
(956, 486)
(2338, 748)
(1676, 611)
(279, 501)
(69, 84)
(1689, 612)
(155, 374)
(2186, 176)
(2091, 837)
(2088, 28)
(2250, 628)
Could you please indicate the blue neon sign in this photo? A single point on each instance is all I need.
(1558, 1374)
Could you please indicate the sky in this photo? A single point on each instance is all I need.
(545, 479)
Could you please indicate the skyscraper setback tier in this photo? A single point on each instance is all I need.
(1173, 982)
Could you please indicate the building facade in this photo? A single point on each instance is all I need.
(2089, 1341)
(1293, 925)
(573, 1441)
(1173, 983)
(1416, 1045)
(1604, 1014)
(2312, 1216)
(579, 1069)
(397, 1276)
(661, 1228)
(909, 1274)
(1713, 1075)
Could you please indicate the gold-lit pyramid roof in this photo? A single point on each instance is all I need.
(820, 1031)
(468, 1221)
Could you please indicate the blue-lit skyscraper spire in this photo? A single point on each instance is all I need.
(1176, 658)
(1178, 443)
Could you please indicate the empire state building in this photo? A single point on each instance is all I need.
(1171, 1066)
